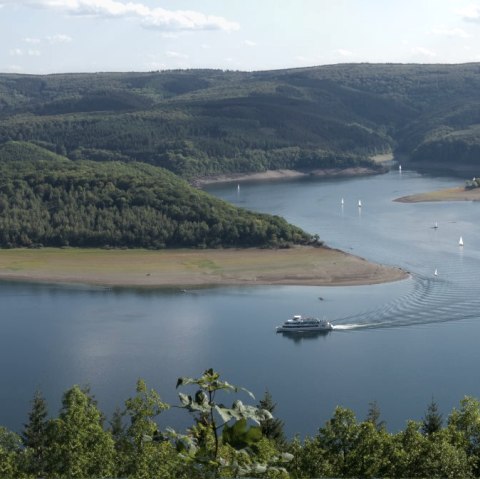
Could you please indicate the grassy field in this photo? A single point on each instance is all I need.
(448, 194)
(299, 265)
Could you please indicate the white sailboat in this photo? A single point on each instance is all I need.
(342, 201)
(436, 272)
(400, 168)
(460, 241)
(435, 226)
(238, 188)
(359, 203)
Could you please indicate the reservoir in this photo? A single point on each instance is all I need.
(398, 344)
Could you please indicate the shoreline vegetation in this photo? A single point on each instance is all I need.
(301, 265)
(458, 193)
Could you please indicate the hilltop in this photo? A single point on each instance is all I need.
(197, 123)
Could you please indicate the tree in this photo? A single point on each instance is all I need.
(78, 446)
(352, 449)
(370, 456)
(34, 434)
(117, 428)
(272, 428)
(373, 416)
(143, 452)
(416, 455)
(466, 422)
(10, 455)
(338, 437)
(309, 459)
(432, 422)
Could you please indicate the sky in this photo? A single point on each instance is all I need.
(58, 36)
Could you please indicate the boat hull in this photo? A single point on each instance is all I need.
(304, 331)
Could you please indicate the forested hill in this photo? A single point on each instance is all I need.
(47, 199)
(203, 122)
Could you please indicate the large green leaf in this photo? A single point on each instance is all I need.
(240, 435)
(192, 404)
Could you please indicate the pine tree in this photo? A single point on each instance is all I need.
(34, 435)
(373, 416)
(272, 428)
(117, 428)
(432, 422)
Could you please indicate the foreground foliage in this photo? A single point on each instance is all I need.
(232, 441)
(46, 199)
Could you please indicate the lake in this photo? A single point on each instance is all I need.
(398, 344)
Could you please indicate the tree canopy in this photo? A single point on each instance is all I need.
(225, 441)
(47, 199)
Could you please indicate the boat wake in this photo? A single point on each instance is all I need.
(435, 299)
(346, 327)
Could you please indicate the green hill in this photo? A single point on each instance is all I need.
(202, 122)
(47, 199)
(75, 148)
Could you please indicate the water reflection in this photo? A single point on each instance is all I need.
(299, 338)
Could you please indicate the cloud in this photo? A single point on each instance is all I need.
(14, 68)
(18, 52)
(171, 54)
(155, 18)
(343, 52)
(304, 60)
(450, 32)
(33, 41)
(155, 66)
(249, 43)
(59, 38)
(52, 39)
(424, 52)
(470, 13)
(172, 35)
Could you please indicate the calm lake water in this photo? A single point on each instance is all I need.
(398, 344)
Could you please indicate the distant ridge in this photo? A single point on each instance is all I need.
(205, 122)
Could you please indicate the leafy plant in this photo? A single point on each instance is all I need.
(212, 439)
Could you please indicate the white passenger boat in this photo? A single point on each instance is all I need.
(298, 324)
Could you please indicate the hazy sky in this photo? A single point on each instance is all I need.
(50, 36)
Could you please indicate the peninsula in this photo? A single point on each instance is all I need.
(300, 265)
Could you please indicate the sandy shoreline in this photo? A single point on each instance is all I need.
(193, 268)
(381, 159)
(271, 175)
(448, 194)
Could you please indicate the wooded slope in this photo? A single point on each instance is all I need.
(203, 122)
(47, 199)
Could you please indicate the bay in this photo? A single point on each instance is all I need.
(398, 344)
